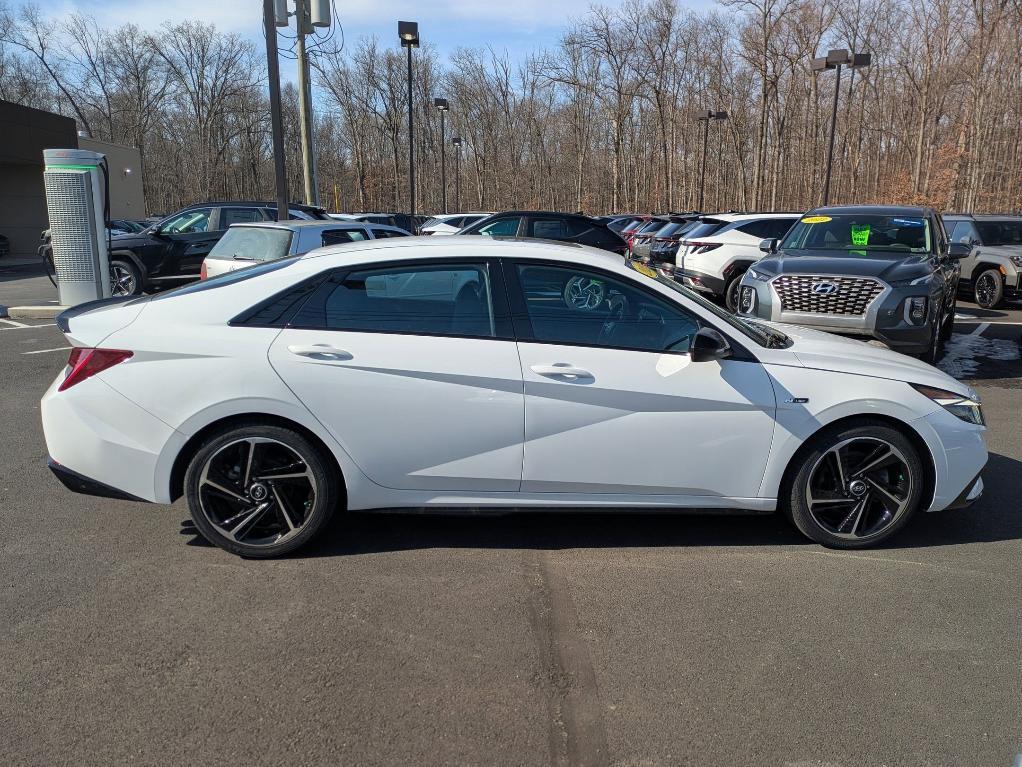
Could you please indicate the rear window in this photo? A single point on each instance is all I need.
(651, 226)
(705, 227)
(228, 278)
(252, 243)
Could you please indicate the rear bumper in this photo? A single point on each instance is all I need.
(79, 483)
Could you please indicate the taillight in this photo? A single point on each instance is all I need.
(85, 363)
(703, 247)
(202, 271)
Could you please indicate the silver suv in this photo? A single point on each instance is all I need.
(993, 269)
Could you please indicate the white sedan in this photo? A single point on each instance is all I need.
(459, 372)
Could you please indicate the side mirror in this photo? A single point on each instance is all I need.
(958, 250)
(768, 246)
(708, 344)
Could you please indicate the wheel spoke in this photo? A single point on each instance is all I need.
(880, 456)
(226, 491)
(850, 524)
(249, 462)
(890, 501)
(248, 521)
(283, 509)
(838, 466)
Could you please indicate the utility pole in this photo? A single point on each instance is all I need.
(408, 32)
(704, 116)
(305, 104)
(271, 19)
(442, 106)
(836, 59)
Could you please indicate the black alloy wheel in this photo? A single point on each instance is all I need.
(857, 486)
(732, 292)
(260, 491)
(125, 279)
(989, 289)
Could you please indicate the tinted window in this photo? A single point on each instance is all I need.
(548, 228)
(778, 227)
(704, 228)
(433, 300)
(502, 227)
(230, 216)
(566, 305)
(381, 234)
(620, 224)
(963, 232)
(195, 220)
(335, 236)
(652, 226)
(255, 243)
(1006, 232)
(469, 220)
(757, 229)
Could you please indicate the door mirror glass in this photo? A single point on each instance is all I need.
(958, 250)
(708, 344)
(768, 245)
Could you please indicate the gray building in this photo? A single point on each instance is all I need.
(27, 132)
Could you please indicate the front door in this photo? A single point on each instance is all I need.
(613, 404)
(186, 240)
(413, 369)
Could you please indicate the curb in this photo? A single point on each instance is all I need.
(33, 312)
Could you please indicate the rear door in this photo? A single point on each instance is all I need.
(413, 368)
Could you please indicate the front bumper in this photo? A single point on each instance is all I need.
(884, 318)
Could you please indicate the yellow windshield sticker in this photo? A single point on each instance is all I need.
(816, 219)
(642, 269)
(860, 234)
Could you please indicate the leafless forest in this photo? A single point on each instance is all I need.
(601, 122)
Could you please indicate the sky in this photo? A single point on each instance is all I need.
(518, 26)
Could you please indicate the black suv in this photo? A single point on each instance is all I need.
(548, 225)
(868, 270)
(171, 251)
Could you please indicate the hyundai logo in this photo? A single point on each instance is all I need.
(825, 288)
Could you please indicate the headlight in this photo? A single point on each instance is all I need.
(1017, 260)
(968, 409)
(757, 275)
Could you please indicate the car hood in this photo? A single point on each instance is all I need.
(887, 267)
(824, 351)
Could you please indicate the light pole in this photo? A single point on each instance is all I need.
(408, 31)
(442, 106)
(276, 130)
(836, 59)
(457, 171)
(704, 116)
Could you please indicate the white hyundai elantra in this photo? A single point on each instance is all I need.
(459, 372)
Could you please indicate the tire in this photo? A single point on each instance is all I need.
(125, 278)
(948, 326)
(269, 507)
(833, 517)
(932, 355)
(988, 289)
(731, 293)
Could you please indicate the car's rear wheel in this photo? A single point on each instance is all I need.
(260, 490)
(125, 278)
(731, 293)
(988, 290)
(856, 486)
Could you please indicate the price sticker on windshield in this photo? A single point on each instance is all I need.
(860, 234)
(816, 219)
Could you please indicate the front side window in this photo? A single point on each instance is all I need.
(252, 243)
(568, 305)
(855, 234)
(196, 220)
(445, 300)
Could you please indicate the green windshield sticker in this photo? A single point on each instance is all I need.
(860, 234)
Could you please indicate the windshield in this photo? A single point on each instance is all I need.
(762, 335)
(1007, 232)
(252, 243)
(854, 234)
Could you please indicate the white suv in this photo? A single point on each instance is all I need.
(715, 253)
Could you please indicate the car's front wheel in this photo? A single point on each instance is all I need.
(855, 486)
(988, 290)
(260, 490)
(732, 292)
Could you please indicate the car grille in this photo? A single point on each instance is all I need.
(852, 296)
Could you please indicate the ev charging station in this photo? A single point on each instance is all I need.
(76, 198)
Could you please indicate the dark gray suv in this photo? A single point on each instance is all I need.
(883, 271)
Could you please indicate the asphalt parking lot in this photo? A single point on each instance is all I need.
(563, 639)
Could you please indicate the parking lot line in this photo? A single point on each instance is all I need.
(22, 326)
(14, 324)
(44, 351)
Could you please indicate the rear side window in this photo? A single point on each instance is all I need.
(444, 300)
(705, 228)
(230, 216)
(336, 236)
(502, 227)
(1007, 232)
(549, 228)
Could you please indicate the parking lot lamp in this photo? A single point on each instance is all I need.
(835, 59)
(442, 106)
(408, 32)
(457, 172)
(705, 116)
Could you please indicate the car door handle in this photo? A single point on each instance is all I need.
(559, 369)
(320, 351)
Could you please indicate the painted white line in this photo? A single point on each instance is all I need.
(992, 322)
(14, 324)
(29, 327)
(979, 330)
(44, 351)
